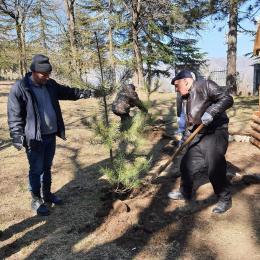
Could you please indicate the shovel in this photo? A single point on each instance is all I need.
(187, 141)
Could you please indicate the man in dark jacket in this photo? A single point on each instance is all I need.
(34, 118)
(126, 98)
(206, 103)
(181, 121)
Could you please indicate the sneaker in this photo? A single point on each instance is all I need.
(43, 211)
(38, 205)
(177, 195)
(222, 206)
(52, 198)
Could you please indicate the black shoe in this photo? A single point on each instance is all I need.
(43, 211)
(38, 205)
(177, 195)
(222, 206)
(52, 198)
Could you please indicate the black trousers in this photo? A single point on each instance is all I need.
(207, 151)
(126, 121)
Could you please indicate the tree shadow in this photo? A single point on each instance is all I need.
(5, 144)
(4, 94)
(88, 218)
(255, 213)
(154, 219)
(74, 208)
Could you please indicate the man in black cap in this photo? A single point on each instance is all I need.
(126, 98)
(181, 121)
(204, 102)
(34, 118)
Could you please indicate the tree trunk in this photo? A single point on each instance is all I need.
(104, 97)
(231, 80)
(69, 5)
(21, 47)
(149, 70)
(136, 6)
(42, 30)
(111, 49)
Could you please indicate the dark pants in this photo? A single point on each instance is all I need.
(207, 152)
(40, 162)
(126, 121)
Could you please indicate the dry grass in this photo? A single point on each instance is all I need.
(89, 227)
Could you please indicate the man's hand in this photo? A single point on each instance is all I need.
(206, 119)
(86, 93)
(18, 142)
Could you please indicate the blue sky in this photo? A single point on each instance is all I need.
(212, 41)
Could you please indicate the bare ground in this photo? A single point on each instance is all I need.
(93, 224)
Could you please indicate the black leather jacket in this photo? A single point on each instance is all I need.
(207, 96)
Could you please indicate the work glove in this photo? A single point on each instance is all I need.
(18, 142)
(206, 118)
(85, 93)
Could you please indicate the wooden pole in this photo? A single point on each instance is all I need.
(255, 134)
(255, 142)
(104, 96)
(189, 139)
(256, 119)
(255, 126)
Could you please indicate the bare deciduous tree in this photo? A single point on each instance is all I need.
(70, 11)
(18, 12)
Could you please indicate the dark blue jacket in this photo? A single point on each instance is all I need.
(23, 114)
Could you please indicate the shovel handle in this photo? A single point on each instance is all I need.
(187, 141)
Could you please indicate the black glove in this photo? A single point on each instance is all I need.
(18, 142)
(85, 93)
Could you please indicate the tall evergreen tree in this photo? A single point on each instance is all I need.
(43, 27)
(236, 11)
(161, 25)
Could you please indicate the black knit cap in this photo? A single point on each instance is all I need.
(40, 63)
(184, 74)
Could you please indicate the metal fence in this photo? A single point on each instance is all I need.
(219, 76)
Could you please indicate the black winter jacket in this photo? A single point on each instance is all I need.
(23, 115)
(207, 96)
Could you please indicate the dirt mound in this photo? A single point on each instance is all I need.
(149, 221)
